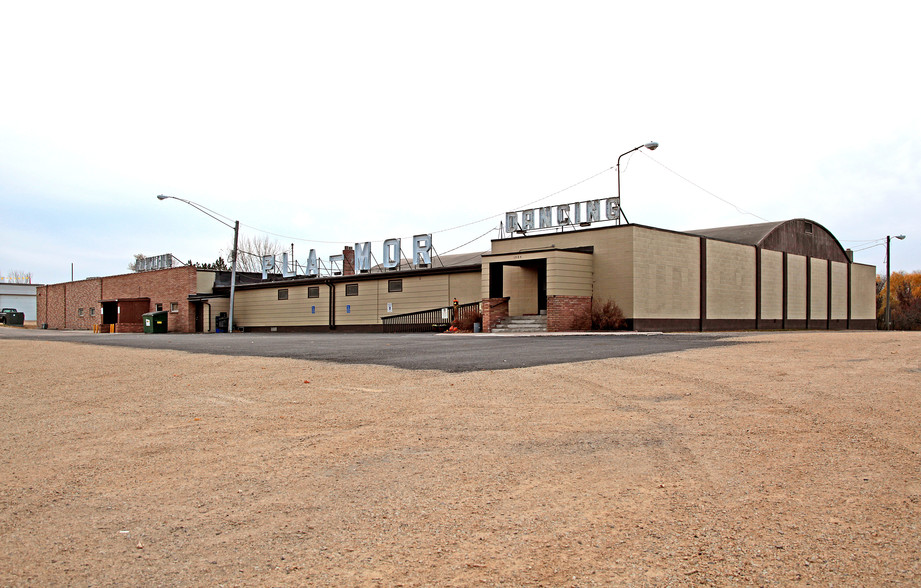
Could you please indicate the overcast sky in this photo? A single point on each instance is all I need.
(340, 122)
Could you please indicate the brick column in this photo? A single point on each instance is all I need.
(569, 313)
(494, 310)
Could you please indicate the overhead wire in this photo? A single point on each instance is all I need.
(461, 226)
(699, 187)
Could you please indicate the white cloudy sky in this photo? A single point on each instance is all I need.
(336, 122)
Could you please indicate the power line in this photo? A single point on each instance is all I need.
(699, 187)
(484, 219)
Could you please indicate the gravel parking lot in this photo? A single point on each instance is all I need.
(764, 458)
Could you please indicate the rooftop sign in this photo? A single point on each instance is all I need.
(563, 215)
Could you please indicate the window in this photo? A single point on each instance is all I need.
(808, 228)
(159, 307)
(394, 285)
(313, 291)
(282, 293)
(351, 289)
(174, 307)
(79, 312)
(93, 311)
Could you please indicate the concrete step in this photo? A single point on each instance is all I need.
(522, 324)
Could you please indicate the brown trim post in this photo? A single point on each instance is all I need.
(703, 282)
(757, 287)
(828, 282)
(808, 291)
(786, 287)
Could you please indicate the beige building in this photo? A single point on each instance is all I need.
(785, 275)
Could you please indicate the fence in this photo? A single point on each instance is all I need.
(426, 321)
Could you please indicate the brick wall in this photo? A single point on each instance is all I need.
(494, 310)
(59, 305)
(568, 313)
(162, 287)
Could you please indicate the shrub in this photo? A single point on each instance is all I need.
(467, 318)
(607, 316)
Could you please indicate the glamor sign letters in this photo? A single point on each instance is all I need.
(391, 255)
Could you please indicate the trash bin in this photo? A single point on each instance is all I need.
(156, 322)
(220, 323)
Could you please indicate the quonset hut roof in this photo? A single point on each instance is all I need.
(798, 236)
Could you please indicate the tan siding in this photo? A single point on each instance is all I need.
(465, 287)
(730, 280)
(419, 293)
(262, 308)
(863, 291)
(667, 278)
(358, 310)
(838, 290)
(569, 274)
(771, 285)
(612, 262)
(204, 282)
(818, 289)
(796, 287)
(520, 284)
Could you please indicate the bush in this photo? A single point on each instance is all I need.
(467, 318)
(607, 316)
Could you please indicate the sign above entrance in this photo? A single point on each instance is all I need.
(563, 215)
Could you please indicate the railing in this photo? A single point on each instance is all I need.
(426, 321)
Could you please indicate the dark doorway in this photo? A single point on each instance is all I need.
(497, 287)
(110, 312)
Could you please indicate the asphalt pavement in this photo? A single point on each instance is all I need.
(415, 351)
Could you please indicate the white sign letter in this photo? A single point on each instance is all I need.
(422, 249)
(593, 210)
(392, 254)
(362, 257)
(313, 268)
(268, 264)
(612, 208)
(285, 270)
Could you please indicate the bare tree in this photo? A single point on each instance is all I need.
(136, 266)
(251, 250)
(19, 277)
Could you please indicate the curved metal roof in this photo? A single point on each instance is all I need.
(798, 236)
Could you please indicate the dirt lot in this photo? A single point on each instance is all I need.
(791, 458)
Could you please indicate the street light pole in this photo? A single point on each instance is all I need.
(236, 234)
(652, 145)
(888, 289)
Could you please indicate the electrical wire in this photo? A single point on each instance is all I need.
(491, 229)
(484, 219)
(699, 187)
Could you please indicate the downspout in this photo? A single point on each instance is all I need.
(332, 305)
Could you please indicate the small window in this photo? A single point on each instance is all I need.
(159, 307)
(79, 312)
(174, 307)
(395, 285)
(313, 291)
(93, 311)
(808, 228)
(351, 289)
(282, 293)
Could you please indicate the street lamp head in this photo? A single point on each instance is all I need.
(161, 197)
(651, 145)
(900, 237)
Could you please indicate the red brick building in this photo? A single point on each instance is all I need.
(117, 302)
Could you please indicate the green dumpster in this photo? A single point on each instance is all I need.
(156, 322)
